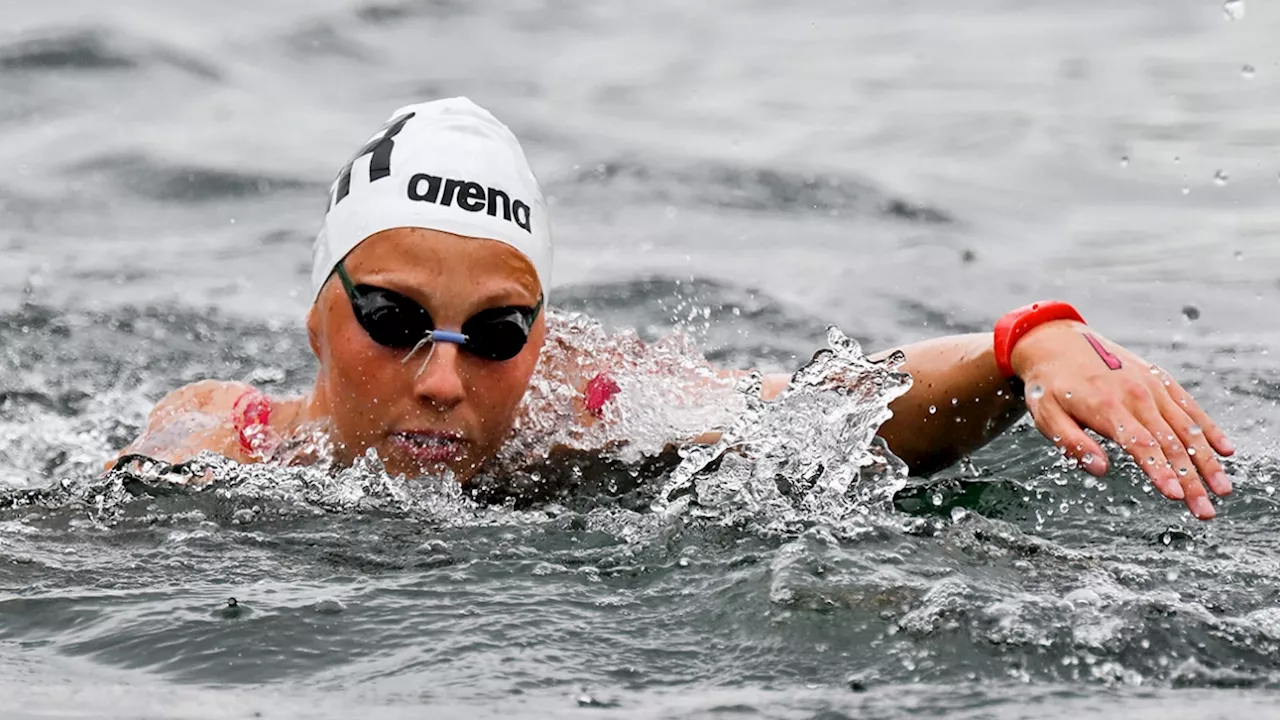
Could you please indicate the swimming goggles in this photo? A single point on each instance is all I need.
(395, 321)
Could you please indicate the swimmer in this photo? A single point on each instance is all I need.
(431, 273)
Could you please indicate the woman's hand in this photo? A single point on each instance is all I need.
(1077, 379)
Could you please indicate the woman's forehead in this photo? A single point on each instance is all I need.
(418, 255)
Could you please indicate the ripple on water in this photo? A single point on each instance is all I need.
(761, 566)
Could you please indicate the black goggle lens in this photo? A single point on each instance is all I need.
(390, 318)
(497, 334)
(395, 321)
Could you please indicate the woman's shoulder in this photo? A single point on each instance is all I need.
(193, 418)
(204, 396)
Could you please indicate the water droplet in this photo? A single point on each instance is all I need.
(936, 499)
(1151, 460)
(1087, 459)
(328, 607)
(933, 409)
(1233, 9)
(1248, 71)
(1195, 430)
(1239, 256)
(1155, 369)
(1191, 452)
(1177, 160)
(958, 514)
(1124, 161)
(1035, 392)
(1183, 471)
(1220, 178)
(1191, 312)
(1067, 394)
(1057, 438)
(1186, 191)
(1119, 429)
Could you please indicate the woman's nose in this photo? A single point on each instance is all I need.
(438, 379)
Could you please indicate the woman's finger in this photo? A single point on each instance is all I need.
(1199, 417)
(1056, 424)
(1175, 453)
(1197, 446)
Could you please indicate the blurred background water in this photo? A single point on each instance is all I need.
(901, 169)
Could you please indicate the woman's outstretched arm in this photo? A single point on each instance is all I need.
(1076, 380)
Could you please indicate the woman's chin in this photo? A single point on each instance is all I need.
(399, 463)
(398, 459)
(424, 455)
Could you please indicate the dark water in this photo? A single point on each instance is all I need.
(748, 172)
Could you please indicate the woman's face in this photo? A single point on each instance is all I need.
(454, 412)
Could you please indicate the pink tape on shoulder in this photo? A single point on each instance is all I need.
(600, 389)
(252, 416)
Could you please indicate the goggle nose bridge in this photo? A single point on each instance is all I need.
(432, 337)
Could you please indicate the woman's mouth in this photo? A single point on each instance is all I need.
(430, 446)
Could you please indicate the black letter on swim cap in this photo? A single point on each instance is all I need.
(520, 213)
(472, 197)
(432, 191)
(379, 149)
(494, 195)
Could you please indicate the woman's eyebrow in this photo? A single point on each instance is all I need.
(508, 296)
(505, 295)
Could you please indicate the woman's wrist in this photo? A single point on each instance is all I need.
(1016, 325)
(1037, 347)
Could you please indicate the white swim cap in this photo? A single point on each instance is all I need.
(445, 165)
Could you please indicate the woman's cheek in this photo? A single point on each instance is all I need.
(364, 390)
(495, 394)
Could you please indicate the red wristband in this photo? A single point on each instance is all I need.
(1017, 323)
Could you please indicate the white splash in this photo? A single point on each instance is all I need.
(811, 455)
